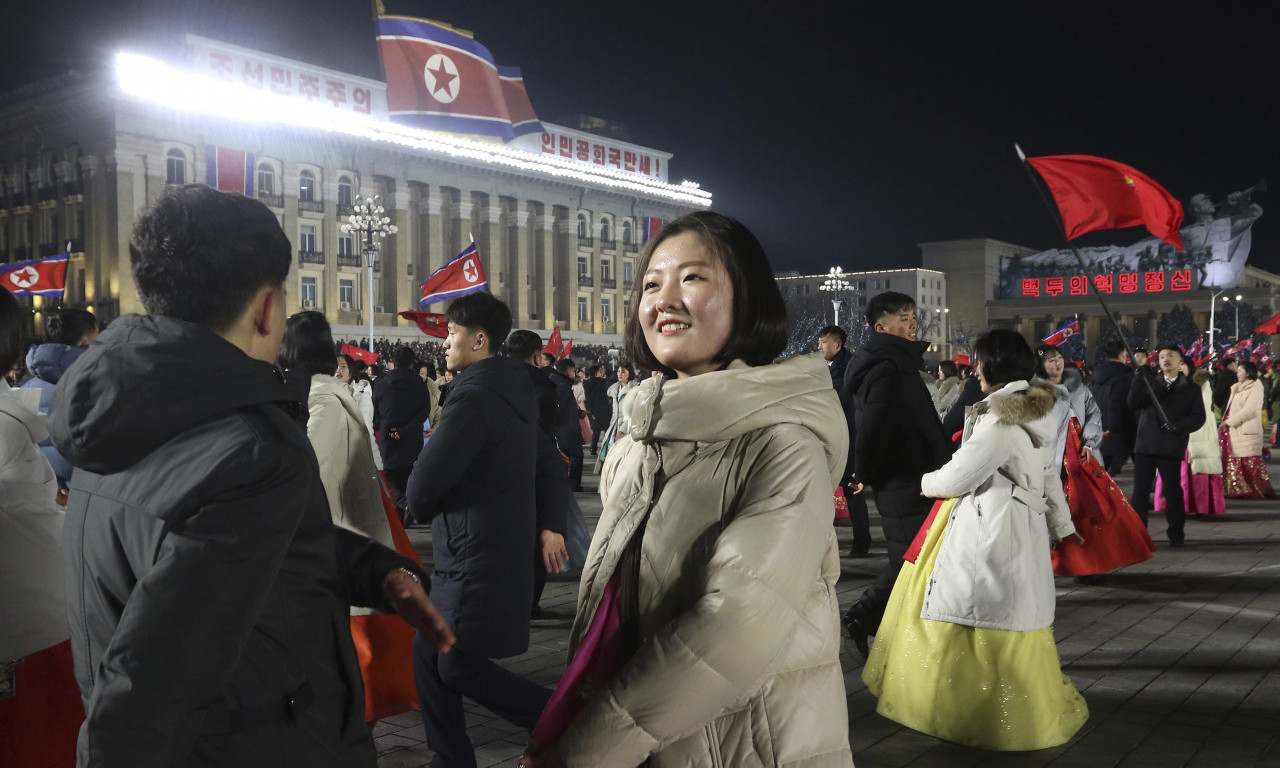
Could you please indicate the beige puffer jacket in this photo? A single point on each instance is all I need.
(1243, 418)
(1202, 447)
(740, 660)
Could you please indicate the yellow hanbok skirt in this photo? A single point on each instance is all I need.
(987, 688)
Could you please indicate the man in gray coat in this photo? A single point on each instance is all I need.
(208, 590)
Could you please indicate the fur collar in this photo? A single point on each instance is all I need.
(1022, 402)
(1201, 376)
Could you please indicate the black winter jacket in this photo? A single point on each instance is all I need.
(552, 482)
(475, 482)
(401, 401)
(568, 428)
(595, 390)
(1183, 405)
(894, 430)
(208, 589)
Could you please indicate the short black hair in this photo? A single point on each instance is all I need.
(1113, 348)
(308, 345)
(69, 326)
(482, 312)
(548, 358)
(887, 304)
(13, 331)
(592, 370)
(430, 366)
(759, 329)
(948, 367)
(833, 330)
(1170, 347)
(200, 255)
(1250, 370)
(403, 357)
(357, 368)
(1043, 352)
(563, 366)
(1191, 366)
(1144, 351)
(1004, 356)
(522, 345)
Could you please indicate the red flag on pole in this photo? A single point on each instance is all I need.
(363, 355)
(1062, 334)
(430, 323)
(463, 275)
(568, 347)
(553, 346)
(1094, 193)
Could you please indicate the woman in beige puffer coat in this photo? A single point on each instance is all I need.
(715, 543)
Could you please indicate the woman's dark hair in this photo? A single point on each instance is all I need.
(308, 345)
(1044, 352)
(948, 369)
(1191, 366)
(69, 326)
(357, 368)
(1250, 370)
(13, 331)
(759, 330)
(1004, 356)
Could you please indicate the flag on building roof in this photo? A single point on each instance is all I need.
(229, 170)
(42, 277)
(366, 356)
(441, 79)
(1062, 334)
(568, 347)
(553, 344)
(430, 323)
(1094, 193)
(459, 277)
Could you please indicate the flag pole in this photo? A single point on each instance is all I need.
(1084, 268)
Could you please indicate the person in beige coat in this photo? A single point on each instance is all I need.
(1240, 435)
(715, 553)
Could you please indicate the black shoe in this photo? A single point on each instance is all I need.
(1091, 581)
(856, 628)
(858, 551)
(1176, 543)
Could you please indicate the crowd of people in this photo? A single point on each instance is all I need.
(205, 558)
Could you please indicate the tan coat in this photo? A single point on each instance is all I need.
(1244, 418)
(1203, 452)
(740, 660)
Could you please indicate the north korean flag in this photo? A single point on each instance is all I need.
(43, 277)
(459, 277)
(446, 81)
(430, 323)
(1062, 334)
(229, 170)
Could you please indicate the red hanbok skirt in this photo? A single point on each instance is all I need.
(40, 722)
(1245, 477)
(1114, 535)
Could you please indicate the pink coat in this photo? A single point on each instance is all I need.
(1244, 418)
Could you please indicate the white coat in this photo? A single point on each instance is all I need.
(1203, 452)
(993, 569)
(33, 615)
(362, 392)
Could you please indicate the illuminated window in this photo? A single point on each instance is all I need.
(266, 179)
(344, 191)
(307, 187)
(175, 167)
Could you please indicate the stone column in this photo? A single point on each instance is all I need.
(401, 247)
(518, 266)
(544, 246)
(493, 249)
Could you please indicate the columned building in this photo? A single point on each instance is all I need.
(558, 218)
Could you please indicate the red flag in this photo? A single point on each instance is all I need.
(553, 346)
(652, 226)
(1094, 193)
(43, 277)
(229, 170)
(1062, 334)
(363, 355)
(430, 323)
(459, 277)
(568, 347)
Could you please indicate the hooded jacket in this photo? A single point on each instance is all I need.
(47, 363)
(400, 402)
(993, 568)
(208, 589)
(729, 477)
(894, 432)
(475, 482)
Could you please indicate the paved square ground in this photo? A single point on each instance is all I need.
(1178, 658)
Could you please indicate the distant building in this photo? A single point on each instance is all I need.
(559, 217)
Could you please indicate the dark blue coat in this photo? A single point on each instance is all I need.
(474, 481)
(401, 402)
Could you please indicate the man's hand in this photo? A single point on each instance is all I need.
(1077, 538)
(393, 433)
(855, 488)
(1171, 429)
(554, 554)
(61, 498)
(410, 601)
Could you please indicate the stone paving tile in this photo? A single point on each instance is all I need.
(1178, 658)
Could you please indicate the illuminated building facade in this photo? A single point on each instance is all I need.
(558, 217)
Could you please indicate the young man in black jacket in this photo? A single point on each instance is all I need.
(401, 405)
(208, 589)
(568, 428)
(1161, 443)
(831, 342)
(895, 439)
(476, 482)
(1111, 391)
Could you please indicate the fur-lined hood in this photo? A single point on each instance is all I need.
(1021, 404)
(1201, 377)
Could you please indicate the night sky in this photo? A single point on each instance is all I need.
(841, 133)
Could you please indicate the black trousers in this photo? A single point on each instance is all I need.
(902, 512)
(443, 680)
(398, 480)
(575, 468)
(1145, 467)
(860, 519)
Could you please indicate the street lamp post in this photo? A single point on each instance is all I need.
(1236, 305)
(835, 283)
(944, 315)
(368, 221)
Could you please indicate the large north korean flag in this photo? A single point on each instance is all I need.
(459, 277)
(445, 81)
(43, 277)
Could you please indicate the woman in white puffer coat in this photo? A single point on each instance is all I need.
(969, 625)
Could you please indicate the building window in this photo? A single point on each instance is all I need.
(626, 232)
(175, 167)
(886, 285)
(584, 270)
(266, 179)
(604, 230)
(307, 239)
(308, 292)
(307, 187)
(606, 270)
(877, 286)
(346, 246)
(347, 294)
(344, 191)
(606, 310)
(628, 271)
(582, 225)
(584, 310)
